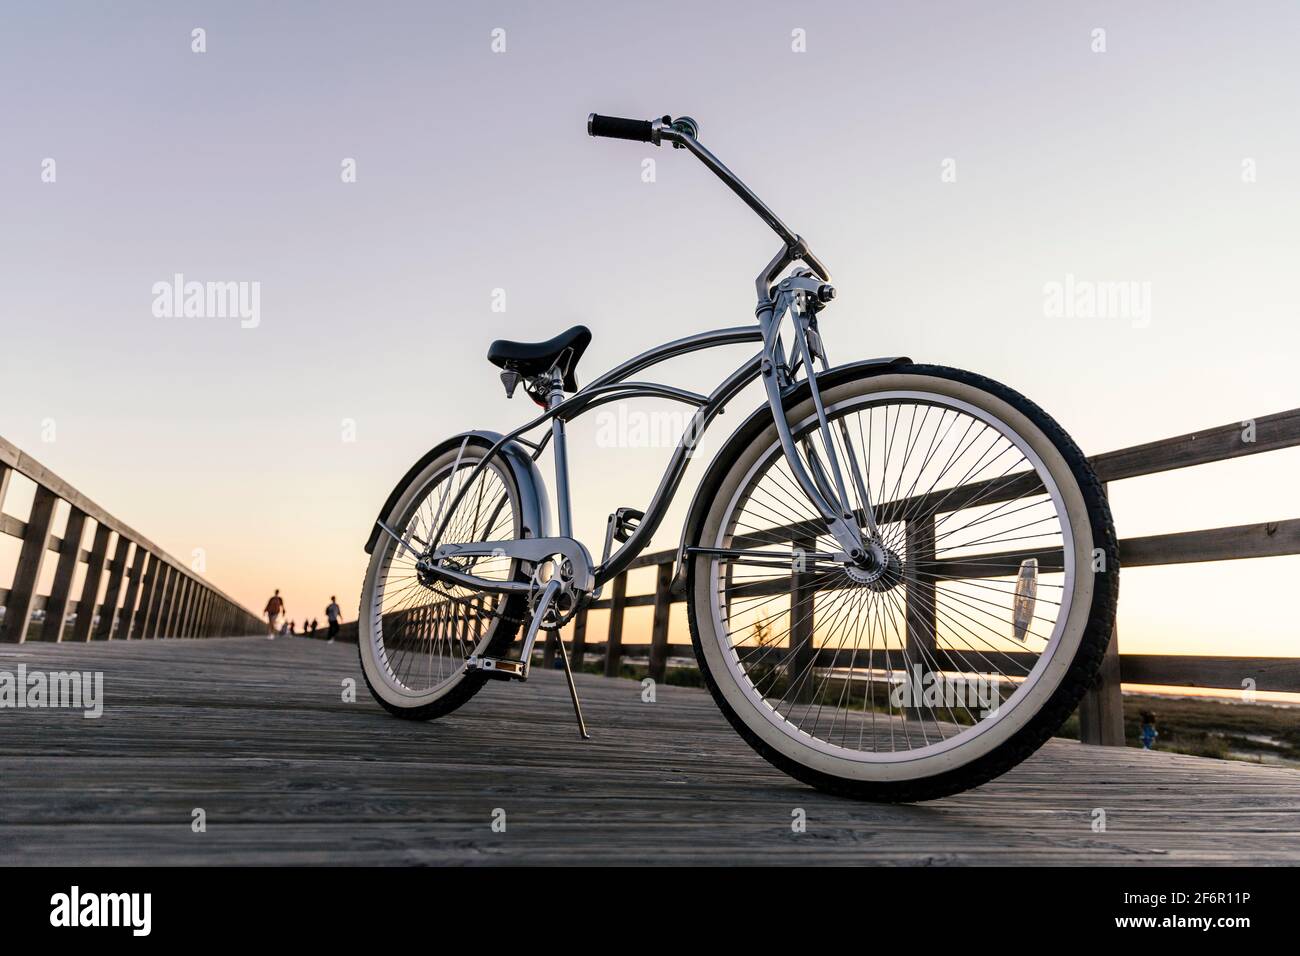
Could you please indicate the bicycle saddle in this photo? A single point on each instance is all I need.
(535, 358)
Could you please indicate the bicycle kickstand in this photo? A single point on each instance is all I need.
(505, 669)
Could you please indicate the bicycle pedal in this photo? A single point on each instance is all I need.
(498, 668)
(625, 521)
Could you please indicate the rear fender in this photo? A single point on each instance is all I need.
(534, 505)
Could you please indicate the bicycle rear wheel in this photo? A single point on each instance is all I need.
(973, 644)
(414, 636)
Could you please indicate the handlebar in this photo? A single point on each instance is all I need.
(681, 133)
(616, 127)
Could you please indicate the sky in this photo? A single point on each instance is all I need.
(949, 161)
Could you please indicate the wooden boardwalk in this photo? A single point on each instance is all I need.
(256, 733)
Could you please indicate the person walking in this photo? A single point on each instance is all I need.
(274, 608)
(332, 614)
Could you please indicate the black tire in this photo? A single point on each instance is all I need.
(1081, 674)
(504, 628)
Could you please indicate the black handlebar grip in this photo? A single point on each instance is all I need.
(615, 127)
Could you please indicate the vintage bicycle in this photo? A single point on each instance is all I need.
(901, 578)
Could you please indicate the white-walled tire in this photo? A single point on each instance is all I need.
(413, 638)
(816, 701)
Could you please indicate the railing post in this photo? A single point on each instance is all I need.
(157, 605)
(56, 605)
(116, 572)
(191, 608)
(548, 652)
(801, 670)
(663, 612)
(90, 587)
(1101, 712)
(579, 648)
(168, 609)
(921, 641)
(127, 617)
(614, 642)
(146, 598)
(18, 606)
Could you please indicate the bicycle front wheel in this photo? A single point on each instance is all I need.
(975, 637)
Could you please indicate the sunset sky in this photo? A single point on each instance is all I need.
(1167, 160)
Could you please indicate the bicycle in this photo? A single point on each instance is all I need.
(901, 578)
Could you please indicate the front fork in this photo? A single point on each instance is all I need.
(823, 482)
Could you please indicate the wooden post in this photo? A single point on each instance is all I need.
(800, 670)
(146, 598)
(56, 605)
(168, 610)
(18, 606)
(1101, 712)
(659, 630)
(90, 587)
(153, 622)
(548, 652)
(127, 618)
(191, 608)
(579, 647)
(116, 572)
(614, 643)
(920, 643)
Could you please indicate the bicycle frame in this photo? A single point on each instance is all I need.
(802, 294)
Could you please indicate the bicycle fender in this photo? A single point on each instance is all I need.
(534, 505)
(746, 433)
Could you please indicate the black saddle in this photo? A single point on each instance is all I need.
(535, 358)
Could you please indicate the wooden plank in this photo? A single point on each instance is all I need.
(1280, 674)
(659, 629)
(1266, 540)
(27, 573)
(56, 606)
(117, 571)
(348, 782)
(613, 655)
(1273, 674)
(1281, 430)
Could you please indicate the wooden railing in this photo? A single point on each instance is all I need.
(148, 593)
(1101, 717)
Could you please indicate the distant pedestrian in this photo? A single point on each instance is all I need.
(274, 608)
(1149, 733)
(293, 628)
(314, 626)
(332, 614)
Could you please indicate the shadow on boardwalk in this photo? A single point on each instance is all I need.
(256, 734)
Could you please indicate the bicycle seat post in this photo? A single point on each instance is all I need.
(561, 455)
